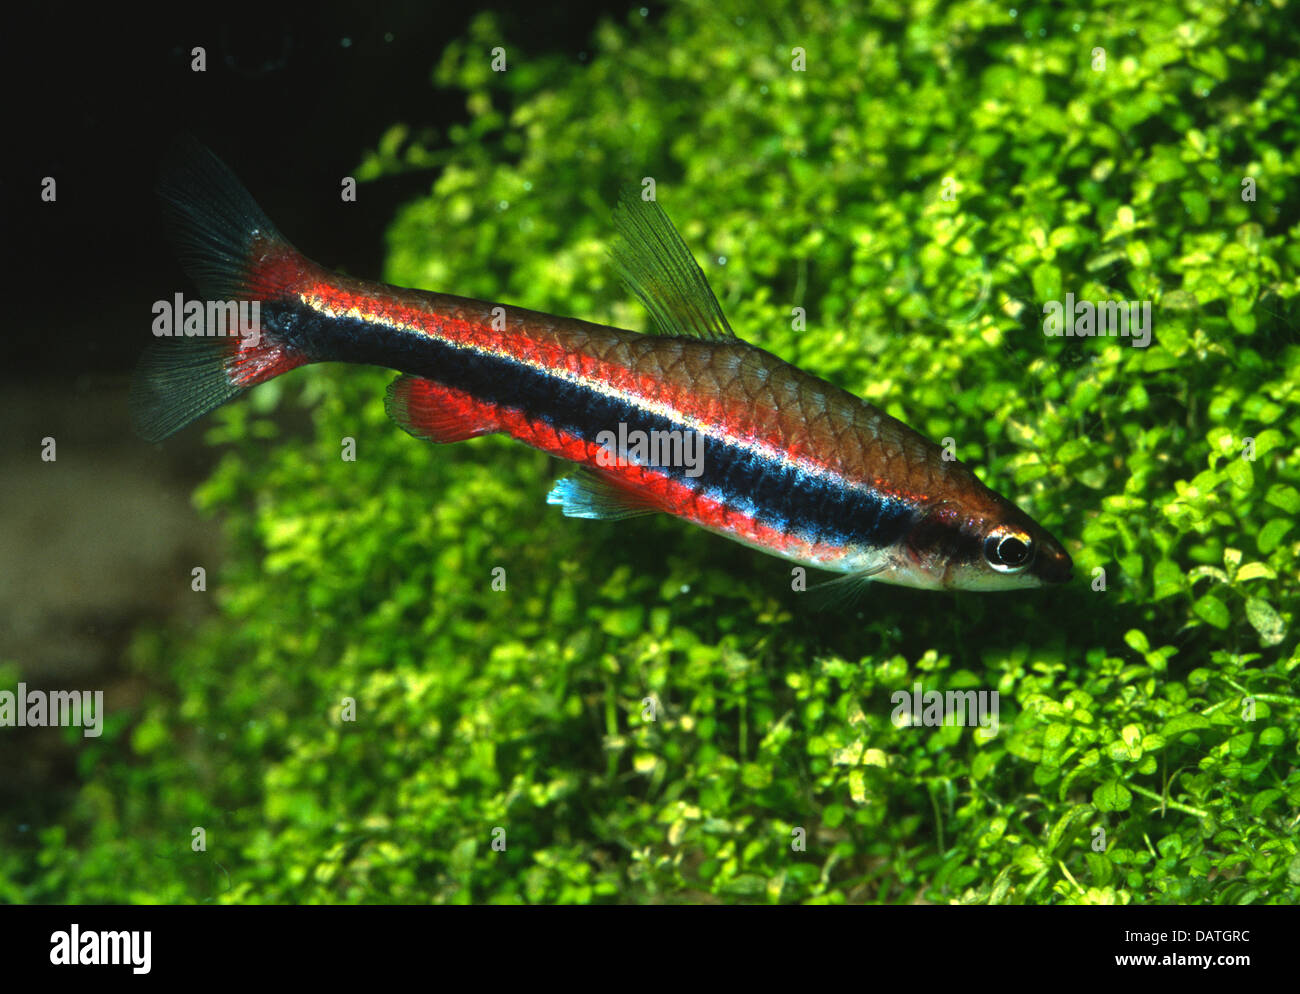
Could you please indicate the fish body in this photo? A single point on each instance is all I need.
(756, 449)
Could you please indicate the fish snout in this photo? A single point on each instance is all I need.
(1053, 564)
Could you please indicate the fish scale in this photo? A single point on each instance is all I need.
(759, 451)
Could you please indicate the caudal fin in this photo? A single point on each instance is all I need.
(235, 254)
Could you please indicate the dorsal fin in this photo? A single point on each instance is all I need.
(658, 267)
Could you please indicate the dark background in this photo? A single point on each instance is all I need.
(292, 98)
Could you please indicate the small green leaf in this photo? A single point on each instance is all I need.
(1046, 280)
(1254, 571)
(1241, 474)
(1263, 800)
(983, 764)
(1197, 205)
(1182, 723)
(1132, 736)
(1169, 579)
(1239, 744)
(858, 785)
(1112, 796)
(1266, 621)
(1137, 641)
(994, 831)
(1058, 832)
(1272, 737)
(1100, 867)
(1270, 536)
(1268, 440)
(745, 885)
(1210, 61)
(1054, 736)
(1287, 498)
(1213, 611)
(1029, 860)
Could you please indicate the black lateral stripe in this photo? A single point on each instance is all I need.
(776, 494)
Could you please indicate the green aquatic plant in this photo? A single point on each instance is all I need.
(421, 683)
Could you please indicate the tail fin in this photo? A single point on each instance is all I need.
(234, 253)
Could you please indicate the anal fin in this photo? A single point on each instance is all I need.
(436, 413)
(585, 494)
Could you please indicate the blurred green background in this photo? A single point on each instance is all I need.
(1098, 150)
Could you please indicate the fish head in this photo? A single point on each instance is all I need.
(983, 543)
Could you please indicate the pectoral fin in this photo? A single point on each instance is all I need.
(844, 591)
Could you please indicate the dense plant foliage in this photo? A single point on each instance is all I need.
(1147, 744)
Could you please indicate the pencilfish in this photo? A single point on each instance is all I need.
(692, 421)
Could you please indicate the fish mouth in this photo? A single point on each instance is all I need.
(1053, 564)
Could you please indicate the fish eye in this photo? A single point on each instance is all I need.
(1008, 550)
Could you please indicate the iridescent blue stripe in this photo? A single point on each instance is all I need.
(776, 493)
